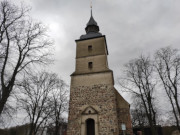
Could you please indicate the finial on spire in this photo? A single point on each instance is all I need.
(91, 7)
(91, 4)
(91, 20)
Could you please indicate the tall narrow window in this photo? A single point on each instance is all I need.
(89, 48)
(90, 65)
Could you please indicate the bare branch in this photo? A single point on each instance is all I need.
(23, 44)
(140, 82)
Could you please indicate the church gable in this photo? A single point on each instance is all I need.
(89, 110)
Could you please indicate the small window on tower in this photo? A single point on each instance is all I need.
(90, 65)
(89, 47)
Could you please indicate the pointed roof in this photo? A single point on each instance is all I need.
(92, 29)
(91, 20)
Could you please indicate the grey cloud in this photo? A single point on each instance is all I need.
(132, 27)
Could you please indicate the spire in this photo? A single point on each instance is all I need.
(92, 25)
(91, 20)
(92, 28)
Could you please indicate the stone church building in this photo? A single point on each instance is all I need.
(96, 107)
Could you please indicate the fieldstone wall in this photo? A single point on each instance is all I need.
(123, 111)
(100, 97)
(124, 117)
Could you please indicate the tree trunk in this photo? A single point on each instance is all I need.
(4, 98)
(57, 128)
(31, 129)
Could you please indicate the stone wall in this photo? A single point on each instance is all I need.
(97, 55)
(100, 97)
(98, 47)
(99, 64)
(123, 111)
(92, 79)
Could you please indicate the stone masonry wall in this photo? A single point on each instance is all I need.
(102, 98)
(123, 111)
(124, 117)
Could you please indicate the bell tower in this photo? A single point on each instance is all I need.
(95, 107)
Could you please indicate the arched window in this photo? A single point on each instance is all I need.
(90, 127)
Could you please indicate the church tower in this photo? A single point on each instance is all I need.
(95, 108)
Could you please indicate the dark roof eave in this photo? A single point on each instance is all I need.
(106, 71)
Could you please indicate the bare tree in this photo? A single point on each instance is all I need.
(167, 64)
(140, 82)
(36, 101)
(23, 43)
(59, 105)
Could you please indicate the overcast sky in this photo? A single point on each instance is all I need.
(132, 28)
